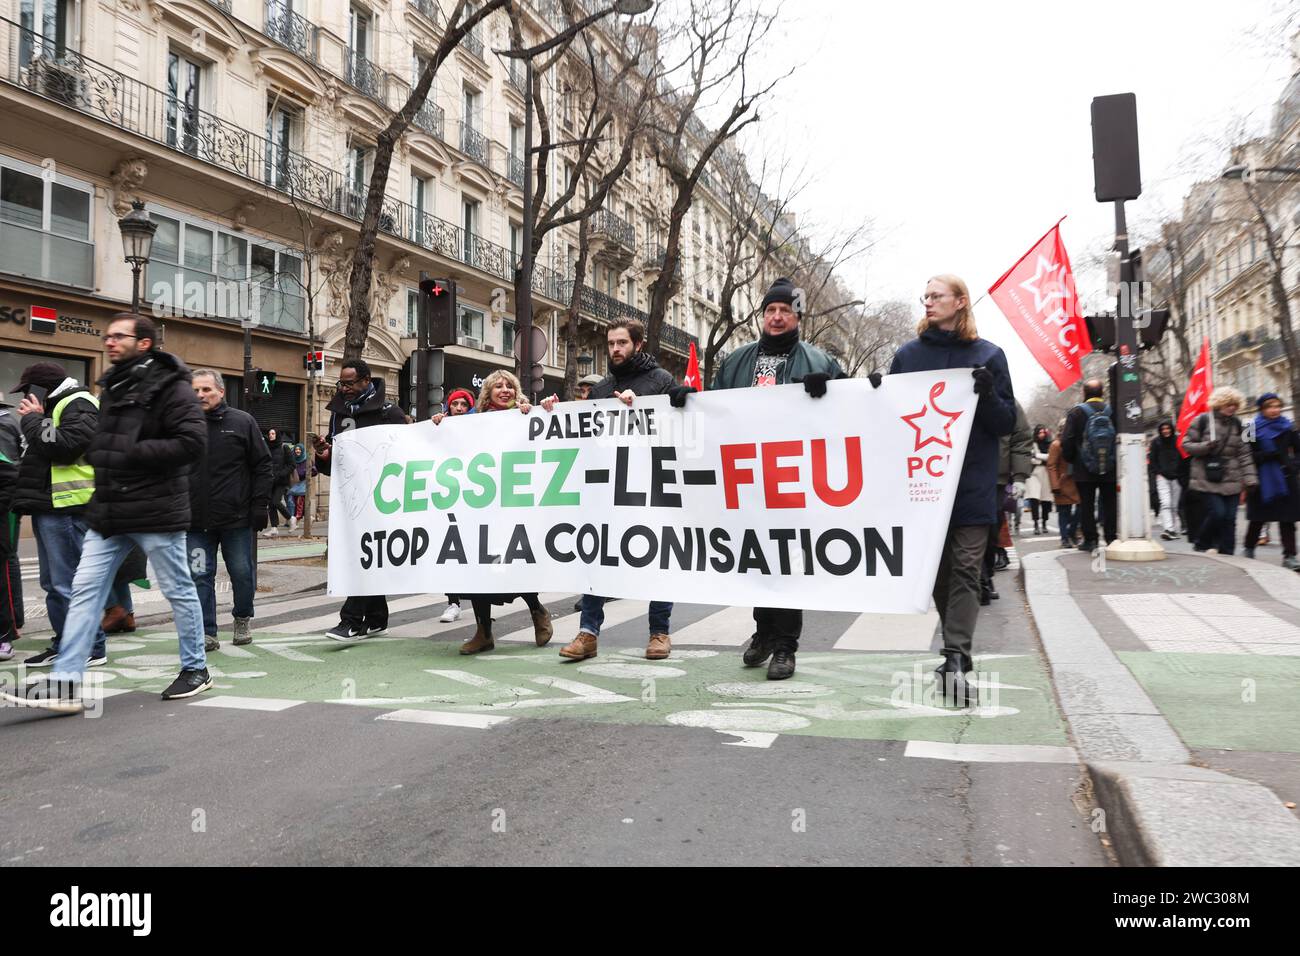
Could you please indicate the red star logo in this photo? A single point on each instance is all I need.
(930, 419)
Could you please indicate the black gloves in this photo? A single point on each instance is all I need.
(814, 383)
(875, 379)
(677, 395)
(259, 519)
(983, 380)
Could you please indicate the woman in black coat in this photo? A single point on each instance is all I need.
(1276, 450)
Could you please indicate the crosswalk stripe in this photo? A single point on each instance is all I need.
(247, 703)
(616, 612)
(230, 650)
(729, 627)
(289, 654)
(889, 632)
(280, 608)
(324, 622)
(477, 721)
(990, 753)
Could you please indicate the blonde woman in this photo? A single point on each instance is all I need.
(946, 339)
(1222, 466)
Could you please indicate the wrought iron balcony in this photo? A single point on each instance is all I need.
(653, 258)
(679, 340)
(430, 9)
(606, 224)
(366, 77)
(431, 119)
(516, 77)
(473, 144)
(515, 169)
(473, 43)
(1273, 351)
(290, 29)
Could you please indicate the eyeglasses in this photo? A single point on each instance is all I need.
(935, 297)
(117, 337)
(344, 383)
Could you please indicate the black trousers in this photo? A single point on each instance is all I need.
(1090, 494)
(365, 611)
(11, 588)
(277, 505)
(778, 626)
(482, 604)
(1287, 528)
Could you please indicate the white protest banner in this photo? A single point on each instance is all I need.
(757, 496)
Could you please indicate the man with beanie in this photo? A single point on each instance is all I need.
(632, 372)
(582, 390)
(59, 418)
(777, 358)
(151, 429)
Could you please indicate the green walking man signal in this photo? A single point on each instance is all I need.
(263, 384)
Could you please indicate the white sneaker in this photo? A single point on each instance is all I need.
(269, 533)
(451, 615)
(293, 523)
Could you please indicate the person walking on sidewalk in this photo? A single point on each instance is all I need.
(777, 358)
(59, 418)
(632, 372)
(947, 338)
(459, 402)
(151, 430)
(1064, 492)
(1166, 461)
(229, 486)
(501, 392)
(1276, 450)
(1038, 488)
(359, 403)
(1088, 443)
(11, 451)
(1222, 466)
(282, 476)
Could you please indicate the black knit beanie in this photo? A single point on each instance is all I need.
(782, 290)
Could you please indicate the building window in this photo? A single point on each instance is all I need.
(359, 32)
(412, 312)
(45, 226)
(53, 29)
(508, 337)
(421, 200)
(280, 126)
(471, 327)
(357, 182)
(469, 227)
(184, 79)
(516, 242)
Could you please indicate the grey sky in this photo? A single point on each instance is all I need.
(963, 130)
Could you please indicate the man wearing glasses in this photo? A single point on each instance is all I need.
(151, 429)
(359, 404)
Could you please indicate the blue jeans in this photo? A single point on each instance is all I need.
(1219, 529)
(1068, 518)
(120, 596)
(237, 551)
(100, 559)
(593, 615)
(60, 539)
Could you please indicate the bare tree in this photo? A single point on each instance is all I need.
(722, 36)
(364, 253)
(872, 335)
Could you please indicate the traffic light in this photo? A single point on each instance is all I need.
(1101, 331)
(437, 305)
(263, 384)
(314, 361)
(1151, 325)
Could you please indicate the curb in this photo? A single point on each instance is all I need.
(1160, 810)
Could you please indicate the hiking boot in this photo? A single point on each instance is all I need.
(210, 642)
(188, 683)
(757, 653)
(580, 648)
(542, 629)
(782, 664)
(118, 620)
(243, 632)
(658, 648)
(477, 644)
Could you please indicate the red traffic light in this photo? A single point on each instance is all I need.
(433, 287)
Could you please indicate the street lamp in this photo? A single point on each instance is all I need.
(524, 284)
(137, 239)
(1246, 173)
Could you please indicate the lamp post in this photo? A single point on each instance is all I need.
(524, 284)
(1246, 173)
(137, 240)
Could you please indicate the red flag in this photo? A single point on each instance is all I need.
(1038, 298)
(693, 371)
(1197, 399)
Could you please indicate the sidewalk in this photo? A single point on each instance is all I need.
(1180, 680)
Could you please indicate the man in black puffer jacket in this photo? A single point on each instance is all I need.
(151, 429)
(229, 489)
(1166, 464)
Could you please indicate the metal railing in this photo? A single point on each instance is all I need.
(516, 77)
(653, 257)
(366, 77)
(515, 169)
(473, 42)
(1273, 351)
(431, 119)
(608, 224)
(473, 144)
(430, 9)
(290, 29)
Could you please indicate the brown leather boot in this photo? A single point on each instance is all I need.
(478, 643)
(118, 621)
(580, 648)
(542, 629)
(658, 648)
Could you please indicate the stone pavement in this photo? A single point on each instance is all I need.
(1179, 679)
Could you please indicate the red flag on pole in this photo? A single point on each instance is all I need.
(1197, 399)
(693, 371)
(1038, 298)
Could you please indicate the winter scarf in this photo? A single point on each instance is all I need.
(354, 406)
(778, 344)
(1272, 478)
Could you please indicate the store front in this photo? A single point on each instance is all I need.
(40, 329)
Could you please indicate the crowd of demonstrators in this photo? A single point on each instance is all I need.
(1038, 488)
(11, 451)
(459, 402)
(502, 392)
(1065, 494)
(228, 487)
(632, 372)
(948, 338)
(1088, 443)
(358, 403)
(1222, 467)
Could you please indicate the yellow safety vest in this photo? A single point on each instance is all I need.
(71, 485)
